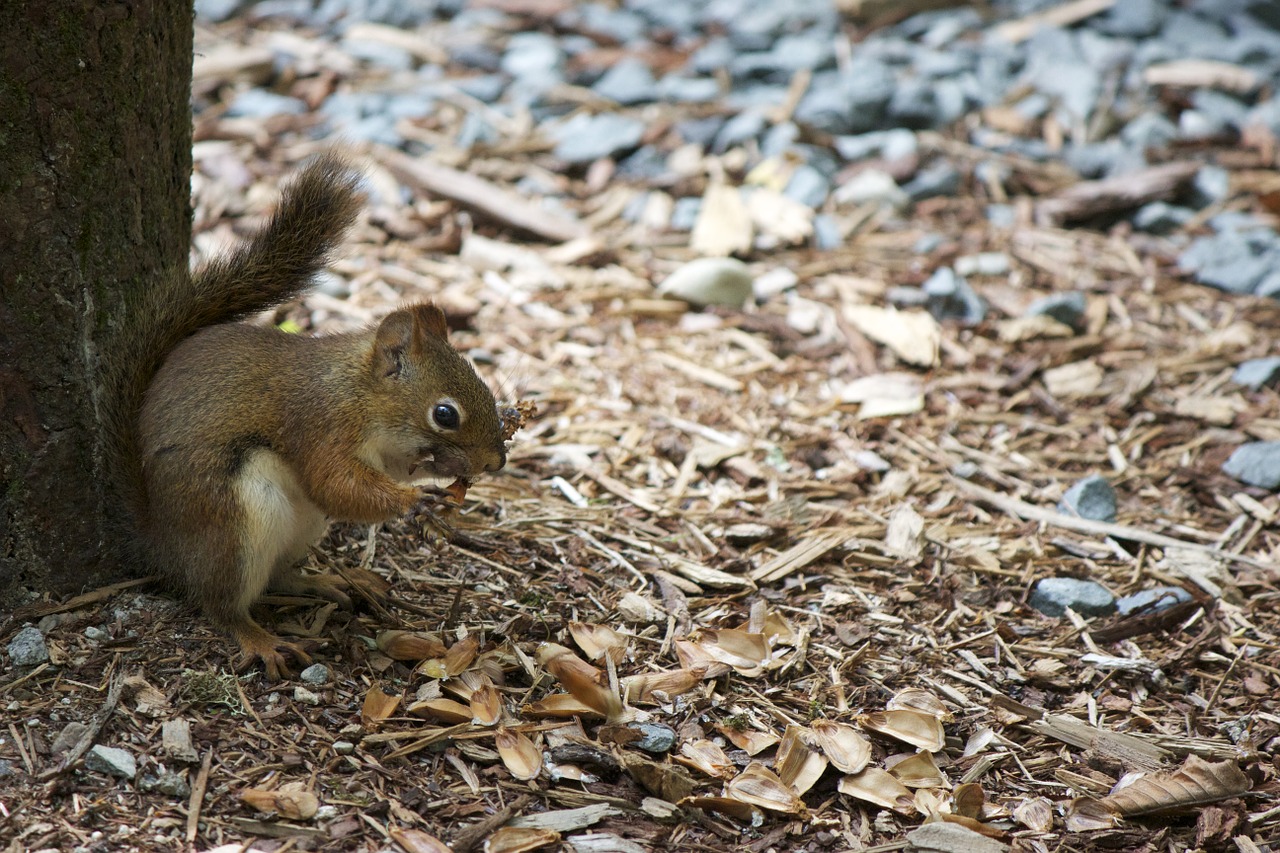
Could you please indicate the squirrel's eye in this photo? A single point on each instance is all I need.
(445, 416)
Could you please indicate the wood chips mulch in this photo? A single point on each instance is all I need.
(812, 584)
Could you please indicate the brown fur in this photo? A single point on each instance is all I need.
(250, 439)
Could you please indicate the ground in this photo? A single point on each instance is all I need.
(805, 510)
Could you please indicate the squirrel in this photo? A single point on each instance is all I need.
(235, 445)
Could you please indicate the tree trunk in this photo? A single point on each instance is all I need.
(95, 165)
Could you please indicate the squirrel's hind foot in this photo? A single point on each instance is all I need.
(258, 644)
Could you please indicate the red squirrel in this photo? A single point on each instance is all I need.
(238, 444)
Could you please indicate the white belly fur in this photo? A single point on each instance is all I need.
(280, 521)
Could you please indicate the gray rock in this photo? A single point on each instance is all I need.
(654, 737)
(67, 738)
(1269, 286)
(379, 54)
(166, 782)
(693, 90)
(737, 130)
(1160, 217)
(949, 297)
(1133, 18)
(27, 648)
(889, 144)
(1002, 215)
(928, 242)
(259, 103)
(6, 769)
(1091, 498)
(1066, 308)
(343, 747)
(97, 634)
(1104, 159)
(1256, 463)
(647, 163)
(940, 178)
(531, 54)
(1151, 600)
(483, 87)
(808, 186)
(1149, 129)
(112, 761)
(1257, 372)
(914, 103)
(779, 139)
(628, 82)
(685, 214)
(317, 673)
(219, 10)
(1211, 185)
(1052, 597)
(826, 233)
(700, 131)
(872, 185)
(1228, 262)
(585, 138)
(717, 53)
(903, 296)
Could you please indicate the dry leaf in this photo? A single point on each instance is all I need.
(695, 657)
(1035, 813)
(588, 684)
(409, 645)
(968, 800)
(518, 839)
(884, 395)
(845, 747)
(750, 741)
(486, 705)
(921, 730)
(919, 771)
(913, 336)
(445, 710)
(560, 705)
(461, 655)
(662, 779)
(759, 786)
(292, 803)
(520, 755)
(660, 686)
(377, 707)
(727, 806)
(1195, 783)
(878, 787)
(745, 652)
(1086, 814)
(918, 699)
(599, 641)
(798, 764)
(904, 536)
(708, 757)
(417, 841)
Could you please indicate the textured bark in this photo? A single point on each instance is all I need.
(95, 142)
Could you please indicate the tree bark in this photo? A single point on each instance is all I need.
(95, 165)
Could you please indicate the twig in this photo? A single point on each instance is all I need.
(197, 796)
(91, 733)
(1029, 512)
(470, 837)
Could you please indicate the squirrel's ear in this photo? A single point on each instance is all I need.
(392, 341)
(430, 319)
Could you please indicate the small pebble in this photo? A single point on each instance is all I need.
(585, 138)
(872, 185)
(1256, 463)
(984, 263)
(949, 297)
(28, 648)
(111, 760)
(317, 673)
(710, 281)
(654, 737)
(1052, 597)
(343, 747)
(168, 783)
(96, 634)
(1066, 308)
(305, 696)
(1257, 372)
(1152, 600)
(941, 178)
(1091, 498)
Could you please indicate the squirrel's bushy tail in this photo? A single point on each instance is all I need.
(275, 265)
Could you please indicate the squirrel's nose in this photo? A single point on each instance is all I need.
(497, 462)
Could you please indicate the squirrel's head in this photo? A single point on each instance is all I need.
(438, 418)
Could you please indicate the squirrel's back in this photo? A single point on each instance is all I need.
(277, 264)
